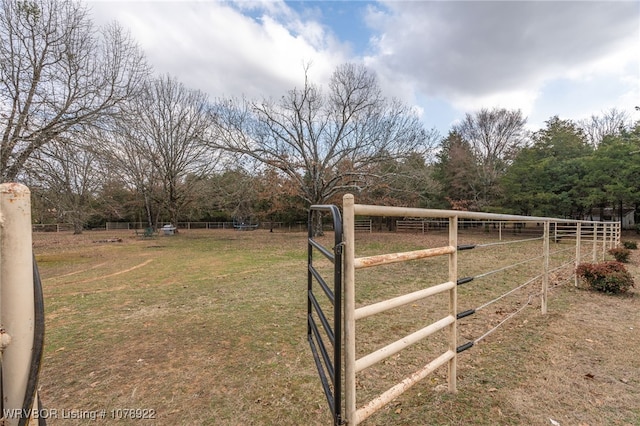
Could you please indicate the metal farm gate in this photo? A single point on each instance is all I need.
(327, 357)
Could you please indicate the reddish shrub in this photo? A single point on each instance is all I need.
(621, 254)
(608, 277)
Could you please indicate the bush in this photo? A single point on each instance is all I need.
(621, 254)
(607, 277)
(631, 245)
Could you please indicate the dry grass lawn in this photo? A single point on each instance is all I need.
(208, 328)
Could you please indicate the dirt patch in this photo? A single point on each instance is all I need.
(108, 240)
(124, 271)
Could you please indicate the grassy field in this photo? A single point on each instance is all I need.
(208, 327)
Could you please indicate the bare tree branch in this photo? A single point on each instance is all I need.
(57, 74)
(326, 143)
(69, 172)
(495, 136)
(610, 123)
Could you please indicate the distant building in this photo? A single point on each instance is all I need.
(611, 214)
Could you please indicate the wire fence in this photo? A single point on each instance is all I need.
(550, 249)
(502, 229)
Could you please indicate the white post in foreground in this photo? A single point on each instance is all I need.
(349, 305)
(17, 317)
(453, 304)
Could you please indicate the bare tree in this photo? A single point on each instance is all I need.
(70, 173)
(164, 139)
(57, 74)
(610, 123)
(130, 160)
(495, 136)
(325, 143)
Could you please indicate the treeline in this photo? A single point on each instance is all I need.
(98, 137)
(566, 169)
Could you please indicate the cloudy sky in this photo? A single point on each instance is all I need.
(448, 58)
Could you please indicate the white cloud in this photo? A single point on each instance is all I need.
(481, 53)
(446, 57)
(216, 48)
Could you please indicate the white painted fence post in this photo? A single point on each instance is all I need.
(453, 302)
(545, 268)
(17, 311)
(595, 242)
(349, 324)
(578, 251)
(605, 231)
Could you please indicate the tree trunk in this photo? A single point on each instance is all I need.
(147, 207)
(77, 226)
(620, 210)
(317, 224)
